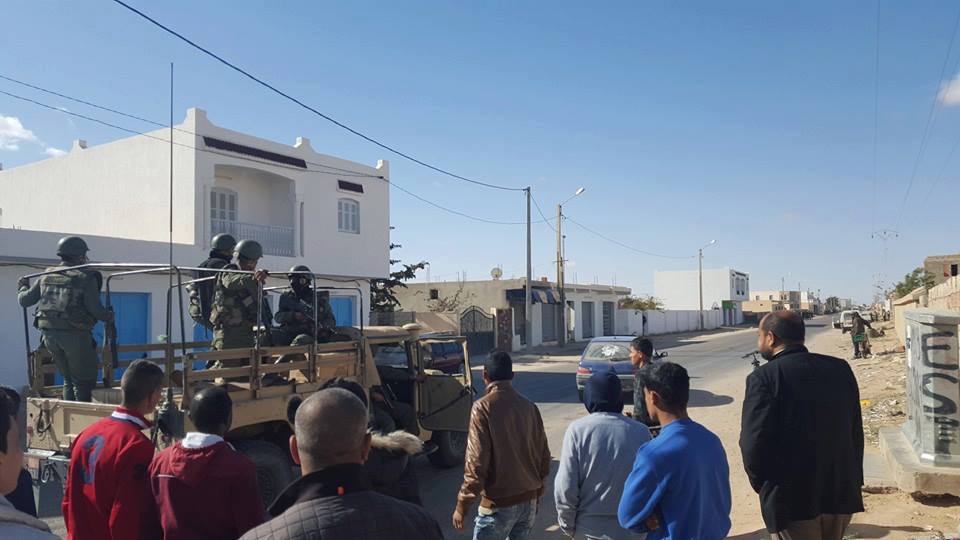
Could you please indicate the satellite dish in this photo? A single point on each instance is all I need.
(496, 273)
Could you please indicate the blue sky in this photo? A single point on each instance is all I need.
(748, 122)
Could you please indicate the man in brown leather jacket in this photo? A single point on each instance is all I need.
(507, 459)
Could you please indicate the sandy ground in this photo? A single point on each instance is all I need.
(889, 514)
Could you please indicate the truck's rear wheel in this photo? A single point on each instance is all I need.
(451, 448)
(274, 467)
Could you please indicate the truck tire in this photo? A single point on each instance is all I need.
(451, 448)
(274, 467)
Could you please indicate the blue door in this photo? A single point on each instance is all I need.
(344, 308)
(132, 316)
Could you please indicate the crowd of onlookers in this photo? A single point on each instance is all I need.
(801, 440)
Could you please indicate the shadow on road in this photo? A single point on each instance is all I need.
(705, 398)
(547, 386)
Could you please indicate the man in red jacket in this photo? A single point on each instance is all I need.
(204, 489)
(108, 490)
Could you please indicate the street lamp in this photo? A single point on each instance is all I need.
(562, 339)
(700, 251)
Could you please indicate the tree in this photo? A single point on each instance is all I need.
(641, 303)
(382, 296)
(450, 303)
(833, 304)
(918, 278)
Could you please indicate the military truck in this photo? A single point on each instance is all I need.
(441, 398)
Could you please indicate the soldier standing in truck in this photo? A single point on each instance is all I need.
(201, 292)
(68, 307)
(236, 301)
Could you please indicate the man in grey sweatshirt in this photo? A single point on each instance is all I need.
(597, 456)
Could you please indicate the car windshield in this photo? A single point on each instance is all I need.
(390, 355)
(613, 352)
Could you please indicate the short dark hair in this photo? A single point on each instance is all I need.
(670, 381)
(140, 380)
(786, 325)
(351, 386)
(9, 409)
(210, 408)
(14, 397)
(499, 367)
(642, 344)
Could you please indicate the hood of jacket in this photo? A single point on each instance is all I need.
(10, 515)
(603, 392)
(189, 464)
(389, 455)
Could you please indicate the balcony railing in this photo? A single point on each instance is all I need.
(275, 240)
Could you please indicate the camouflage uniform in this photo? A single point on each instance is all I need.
(234, 313)
(69, 307)
(297, 332)
(201, 293)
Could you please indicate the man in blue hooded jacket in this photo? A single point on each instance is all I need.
(598, 453)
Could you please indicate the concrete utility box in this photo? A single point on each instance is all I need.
(933, 386)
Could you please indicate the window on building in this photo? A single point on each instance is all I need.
(223, 205)
(348, 216)
(434, 294)
(953, 269)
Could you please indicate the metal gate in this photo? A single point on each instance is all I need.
(587, 318)
(608, 318)
(478, 328)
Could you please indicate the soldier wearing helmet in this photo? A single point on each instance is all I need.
(296, 316)
(234, 309)
(201, 292)
(68, 307)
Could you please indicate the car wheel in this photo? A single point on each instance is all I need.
(451, 447)
(274, 467)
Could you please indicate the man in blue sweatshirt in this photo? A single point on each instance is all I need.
(680, 484)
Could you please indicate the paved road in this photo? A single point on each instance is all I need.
(550, 383)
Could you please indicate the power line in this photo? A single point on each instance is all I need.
(539, 211)
(257, 161)
(930, 117)
(349, 172)
(308, 107)
(621, 244)
(167, 141)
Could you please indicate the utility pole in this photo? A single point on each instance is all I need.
(562, 338)
(700, 278)
(528, 326)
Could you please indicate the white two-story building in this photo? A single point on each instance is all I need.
(724, 289)
(304, 208)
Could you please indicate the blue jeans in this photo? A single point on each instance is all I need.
(513, 522)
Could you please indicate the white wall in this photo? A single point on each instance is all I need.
(680, 290)
(116, 189)
(669, 321)
(120, 189)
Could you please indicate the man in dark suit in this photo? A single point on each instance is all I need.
(802, 435)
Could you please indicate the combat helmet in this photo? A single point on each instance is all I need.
(250, 249)
(299, 268)
(223, 242)
(72, 247)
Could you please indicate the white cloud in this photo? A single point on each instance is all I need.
(950, 92)
(54, 152)
(12, 133)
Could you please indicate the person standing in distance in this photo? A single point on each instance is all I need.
(802, 435)
(68, 307)
(641, 355)
(201, 292)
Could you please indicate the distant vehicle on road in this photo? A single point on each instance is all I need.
(605, 353)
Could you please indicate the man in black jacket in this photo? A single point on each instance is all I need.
(333, 499)
(802, 435)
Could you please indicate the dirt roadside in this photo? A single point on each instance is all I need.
(892, 515)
